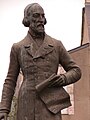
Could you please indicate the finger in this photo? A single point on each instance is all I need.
(5, 117)
(55, 77)
(56, 82)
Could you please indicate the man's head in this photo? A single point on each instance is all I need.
(34, 17)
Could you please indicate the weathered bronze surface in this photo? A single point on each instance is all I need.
(41, 96)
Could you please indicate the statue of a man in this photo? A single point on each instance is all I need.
(41, 96)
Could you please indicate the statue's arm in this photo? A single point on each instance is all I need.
(10, 82)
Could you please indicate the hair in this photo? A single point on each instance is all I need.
(25, 20)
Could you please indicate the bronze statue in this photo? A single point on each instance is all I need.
(41, 96)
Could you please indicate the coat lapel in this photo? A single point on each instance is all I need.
(45, 48)
(30, 45)
(32, 48)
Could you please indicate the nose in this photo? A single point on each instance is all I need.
(41, 18)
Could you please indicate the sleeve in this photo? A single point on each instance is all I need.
(73, 71)
(10, 81)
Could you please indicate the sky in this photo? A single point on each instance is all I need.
(64, 20)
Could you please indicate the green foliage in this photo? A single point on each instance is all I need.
(12, 114)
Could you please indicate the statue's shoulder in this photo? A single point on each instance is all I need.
(55, 41)
(21, 43)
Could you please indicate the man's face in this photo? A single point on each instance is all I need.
(37, 19)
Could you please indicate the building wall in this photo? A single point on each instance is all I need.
(82, 57)
(87, 0)
(85, 37)
(82, 87)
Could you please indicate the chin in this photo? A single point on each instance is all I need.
(40, 31)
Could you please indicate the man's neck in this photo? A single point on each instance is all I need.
(36, 35)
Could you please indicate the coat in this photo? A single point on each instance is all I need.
(37, 65)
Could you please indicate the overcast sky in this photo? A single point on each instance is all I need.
(64, 19)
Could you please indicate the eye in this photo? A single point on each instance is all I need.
(43, 15)
(36, 15)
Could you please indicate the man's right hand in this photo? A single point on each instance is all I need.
(3, 115)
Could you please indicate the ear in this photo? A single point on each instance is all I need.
(45, 21)
(26, 22)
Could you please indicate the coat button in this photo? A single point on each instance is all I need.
(35, 60)
(46, 75)
(47, 59)
(35, 67)
(32, 70)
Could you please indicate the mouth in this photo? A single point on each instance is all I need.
(40, 25)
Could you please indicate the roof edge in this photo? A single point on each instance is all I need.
(79, 48)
